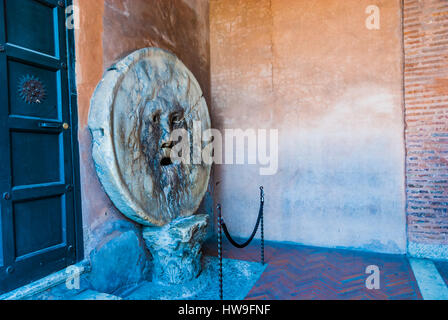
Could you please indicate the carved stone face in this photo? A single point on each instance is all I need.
(170, 178)
(133, 113)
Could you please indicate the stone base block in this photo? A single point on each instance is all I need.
(176, 248)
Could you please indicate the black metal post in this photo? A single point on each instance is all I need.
(262, 224)
(220, 251)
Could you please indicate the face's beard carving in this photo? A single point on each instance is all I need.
(169, 178)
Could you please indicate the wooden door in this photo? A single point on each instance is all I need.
(37, 176)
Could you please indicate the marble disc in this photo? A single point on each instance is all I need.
(135, 107)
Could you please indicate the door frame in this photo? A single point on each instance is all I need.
(73, 107)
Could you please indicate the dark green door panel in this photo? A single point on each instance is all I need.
(36, 30)
(38, 181)
(19, 73)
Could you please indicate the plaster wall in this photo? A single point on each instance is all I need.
(333, 89)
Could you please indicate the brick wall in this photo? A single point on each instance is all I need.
(426, 108)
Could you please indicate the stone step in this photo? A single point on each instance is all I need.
(94, 295)
(41, 289)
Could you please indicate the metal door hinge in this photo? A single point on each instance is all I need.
(7, 196)
(2, 48)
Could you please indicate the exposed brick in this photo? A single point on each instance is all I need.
(426, 111)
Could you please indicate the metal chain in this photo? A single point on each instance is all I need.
(260, 215)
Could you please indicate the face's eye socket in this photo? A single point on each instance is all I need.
(156, 117)
(177, 118)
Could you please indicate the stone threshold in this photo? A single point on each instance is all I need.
(51, 281)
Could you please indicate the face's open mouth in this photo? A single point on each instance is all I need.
(166, 161)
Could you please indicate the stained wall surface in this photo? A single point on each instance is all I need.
(108, 31)
(426, 96)
(333, 89)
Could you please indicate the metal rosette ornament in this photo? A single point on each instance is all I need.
(135, 108)
(31, 90)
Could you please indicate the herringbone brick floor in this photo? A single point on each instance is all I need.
(301, 272)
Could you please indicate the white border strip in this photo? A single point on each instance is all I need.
(430, 282)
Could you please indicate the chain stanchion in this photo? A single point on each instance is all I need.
(223, 228)
(220, 251)
(262, 225)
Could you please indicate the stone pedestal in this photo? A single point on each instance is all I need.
(176, 248)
